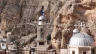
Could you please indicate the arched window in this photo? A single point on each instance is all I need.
(42, 34)
(73, 52)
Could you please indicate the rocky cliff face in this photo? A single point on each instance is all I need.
(22, 11)
(71, 13)
(15, 16)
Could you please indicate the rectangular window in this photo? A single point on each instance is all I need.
(41, 43)
(84, 52)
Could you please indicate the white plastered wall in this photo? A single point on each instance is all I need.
(87, 50)
(75, 49)
(79, 50)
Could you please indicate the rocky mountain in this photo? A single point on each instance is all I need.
(16, 16)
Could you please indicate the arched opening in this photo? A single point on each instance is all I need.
(84, 52)
(42, 34)
(73, 52)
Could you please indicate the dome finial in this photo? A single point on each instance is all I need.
(76, 29)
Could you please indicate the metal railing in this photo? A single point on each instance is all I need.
(27, 52)
(44, 52)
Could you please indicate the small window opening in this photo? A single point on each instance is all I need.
(73, 52)
(84, 52)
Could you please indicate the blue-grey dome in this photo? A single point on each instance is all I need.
(81, 39)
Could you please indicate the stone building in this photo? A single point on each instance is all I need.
(41, 33)
(40, 30)
(80, 43)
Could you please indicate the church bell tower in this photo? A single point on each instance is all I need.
(41, 30)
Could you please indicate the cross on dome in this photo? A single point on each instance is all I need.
(80, 24)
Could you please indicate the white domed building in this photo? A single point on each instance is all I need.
(81, 43)
(41, 20)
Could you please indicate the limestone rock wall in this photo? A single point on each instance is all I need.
(22, 11)
(68, 15)
(62, 14)
(10, 15)
(16, 15)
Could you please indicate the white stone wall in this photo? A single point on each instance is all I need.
(79, 50)
(87, 50)
(73, 49)
(63, 51)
